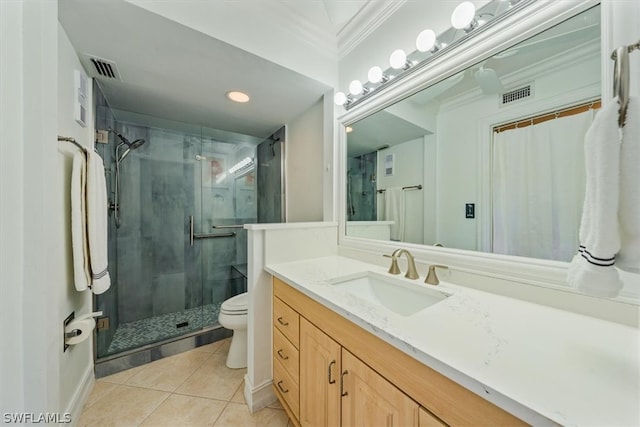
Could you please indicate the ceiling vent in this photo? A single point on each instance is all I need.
(518, 94)
(101, 68)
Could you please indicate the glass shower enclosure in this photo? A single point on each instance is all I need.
(179, 250)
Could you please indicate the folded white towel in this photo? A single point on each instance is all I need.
(97, 223)
(79, 242)
(629, 213)
(394, 211)
(592, 270)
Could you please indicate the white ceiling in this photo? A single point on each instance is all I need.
(172, 71)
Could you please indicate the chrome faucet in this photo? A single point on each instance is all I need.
(432, 277)
(412, 273)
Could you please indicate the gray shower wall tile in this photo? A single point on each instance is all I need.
(135, 278)
(169, 293)
(169, 206)
(193, 274)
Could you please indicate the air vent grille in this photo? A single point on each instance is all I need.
(99, 67)
(516, 94)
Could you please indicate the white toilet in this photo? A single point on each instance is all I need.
(233, 315)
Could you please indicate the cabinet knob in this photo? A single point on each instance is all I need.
(282, 322)
(282, 356)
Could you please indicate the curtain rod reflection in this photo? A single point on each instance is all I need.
(569, 111)
(411, 187)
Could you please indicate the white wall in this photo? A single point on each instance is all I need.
(273, 244)
(304, 153)
(76, 364)
(408, 171)
(30, 274)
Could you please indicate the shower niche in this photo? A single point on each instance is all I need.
(177, 246)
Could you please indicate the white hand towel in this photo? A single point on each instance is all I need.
(97, 224)
(592, 270)
(629, 212)
(79, 242)
(394, 211)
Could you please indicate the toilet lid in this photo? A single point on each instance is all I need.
(238, 303)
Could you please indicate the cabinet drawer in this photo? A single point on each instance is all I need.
(286, 354)
(286, 387)
(287, 320)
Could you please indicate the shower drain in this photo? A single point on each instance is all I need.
(182, 324)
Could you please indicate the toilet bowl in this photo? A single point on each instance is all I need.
(233, 315)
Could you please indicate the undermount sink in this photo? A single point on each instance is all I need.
(394, 294)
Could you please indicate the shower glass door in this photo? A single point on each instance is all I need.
(163, 285)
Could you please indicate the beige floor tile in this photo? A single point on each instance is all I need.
(122, 407)
(124, 376)
(235, 415)
(224, 346)
(185, 411)
(213, 380)
(210, 348)
(167, 374)
(238, 397)
(275, 405)
(100, 390)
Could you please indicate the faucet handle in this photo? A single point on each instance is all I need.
(432, 277)
(394, 269)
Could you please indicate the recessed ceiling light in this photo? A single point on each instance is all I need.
(238, 96)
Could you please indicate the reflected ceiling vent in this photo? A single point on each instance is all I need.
(519, 94)
(101, 68)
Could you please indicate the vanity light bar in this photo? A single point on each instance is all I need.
(466, 23)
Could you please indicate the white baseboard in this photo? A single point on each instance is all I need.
(81, 395)
(258, 397)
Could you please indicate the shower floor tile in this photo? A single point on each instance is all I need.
(146, 331)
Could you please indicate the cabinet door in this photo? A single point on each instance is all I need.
(427, 419)
(370, 400)
(319, 377)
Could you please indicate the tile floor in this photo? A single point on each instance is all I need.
(194, 388)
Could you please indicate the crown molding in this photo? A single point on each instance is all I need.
(373, 14)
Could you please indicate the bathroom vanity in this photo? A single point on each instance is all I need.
(469, 358)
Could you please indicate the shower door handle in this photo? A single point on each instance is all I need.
(193, 237)
(191, 230)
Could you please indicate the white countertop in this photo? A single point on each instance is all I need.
(537, 362)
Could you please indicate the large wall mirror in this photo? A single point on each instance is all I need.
(477, 157)
(489, 159)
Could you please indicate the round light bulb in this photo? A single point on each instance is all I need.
(348, 129)
(339, 98)
(375, 74)
(237, 96)
(355, 87)
(426, 40)
(398, 59)
(463, 15)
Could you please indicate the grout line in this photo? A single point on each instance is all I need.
(155, 409)
(227, 404)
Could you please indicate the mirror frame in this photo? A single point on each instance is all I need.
(521, 25)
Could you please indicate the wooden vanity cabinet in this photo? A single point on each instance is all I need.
(349, 377)
(286, 368)
(320, 366)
